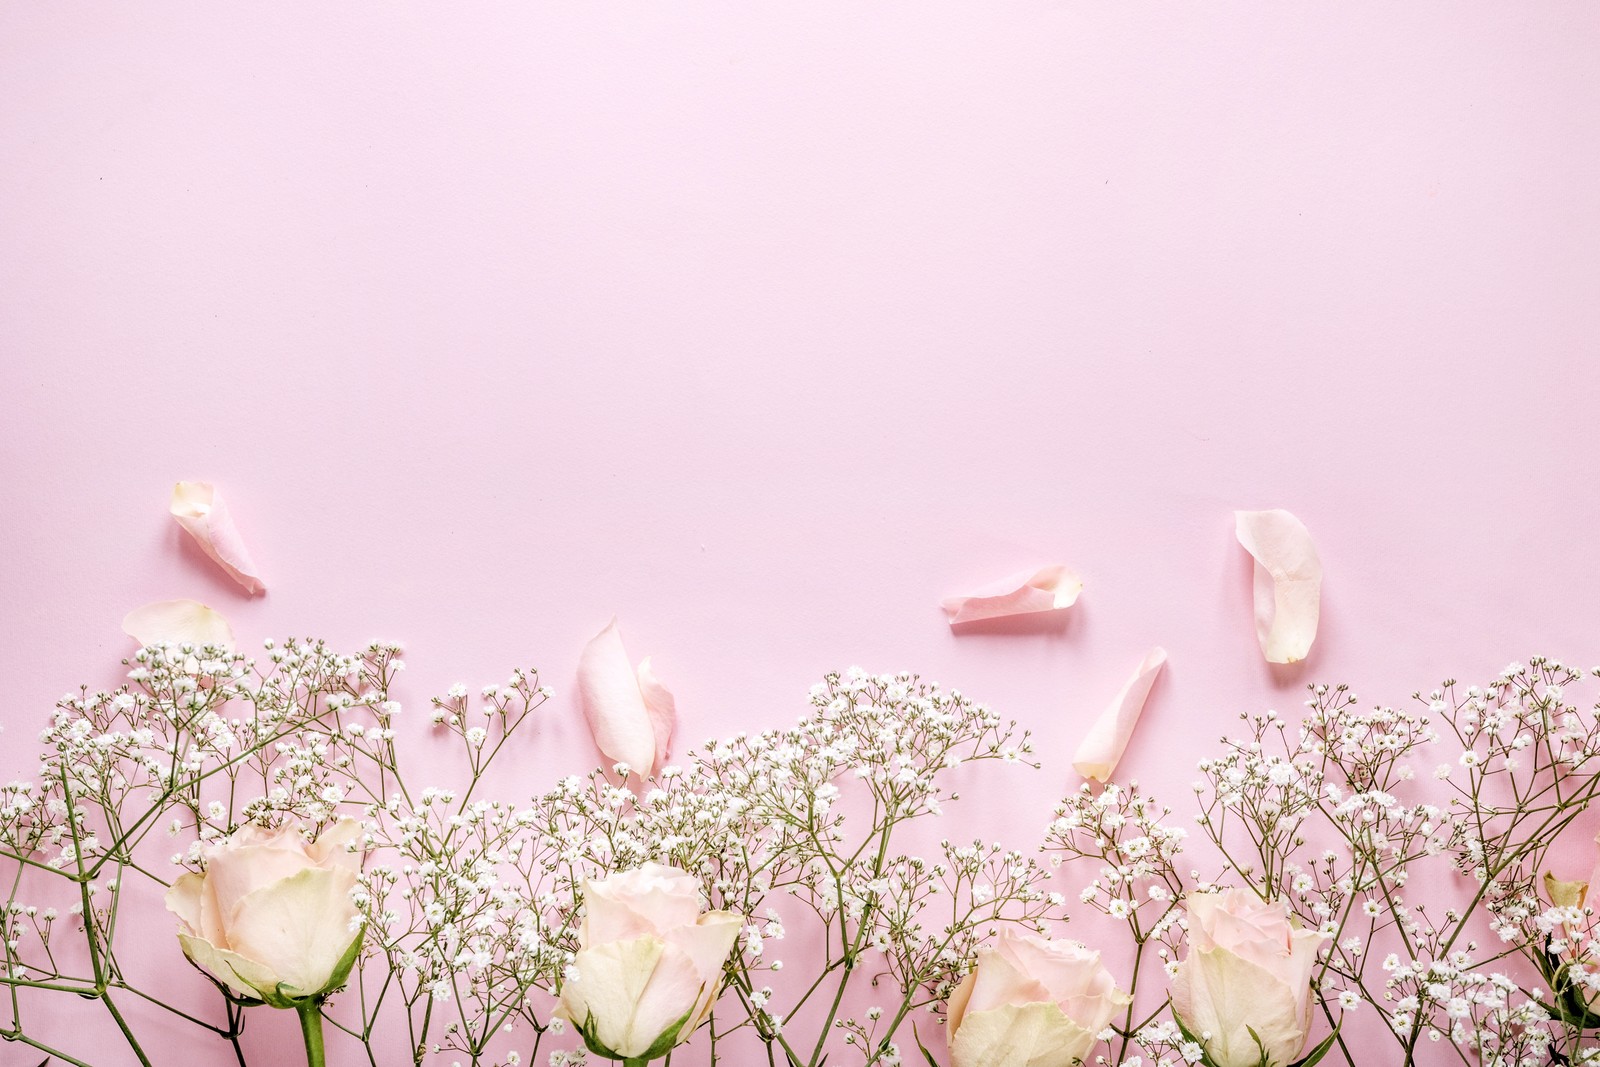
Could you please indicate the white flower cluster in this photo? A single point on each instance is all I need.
(1421, 895)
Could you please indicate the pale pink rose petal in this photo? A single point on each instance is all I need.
(1020, 1035)
(647, 900)
(178, 622)
(955, 1009)
(183, 900)
(633, 990)
(245, 977)
(1046, 589)
(707, 944)
(233, 875)
(298, 927)
(1288, 582)
(332, 846)
(663, 711)
(1000, 982)
(620, 716)
(1099, 753)
(200, 509)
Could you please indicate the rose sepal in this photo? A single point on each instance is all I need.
(1310, 1059)
(663, 1044)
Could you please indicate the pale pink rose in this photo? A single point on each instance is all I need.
(1031, 1002)
(1248, 968)
(272, 917)
(649, 962)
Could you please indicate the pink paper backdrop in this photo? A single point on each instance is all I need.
(766, 326)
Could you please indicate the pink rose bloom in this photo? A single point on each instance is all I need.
(271, 918)
(649, 962)
(1248, 968)
(1031, 1002)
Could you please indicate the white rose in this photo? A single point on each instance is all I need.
(1031, 1002)
(1248, 968)
(271, 916)
(649, 962)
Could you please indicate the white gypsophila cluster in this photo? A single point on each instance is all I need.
(1414, 840)
(812, 816)
(1426, 887)
(1120, 834)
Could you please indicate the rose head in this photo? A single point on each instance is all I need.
(1248, 968)
(1031, 1002)
(649, 962)
(271, 917)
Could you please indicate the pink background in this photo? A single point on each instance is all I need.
(765, 326)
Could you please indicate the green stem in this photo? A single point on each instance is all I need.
(310, 1012)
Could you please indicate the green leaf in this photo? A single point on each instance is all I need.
(662, 1046)
(924, 1048)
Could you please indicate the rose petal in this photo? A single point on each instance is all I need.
(707, 944)
(245, 977)
(1098, 753)
(1020, 1035)
(1001, 982)
(1046, 589)
(232, 875)
(178, 622)
(1072, 973)
(297, 928)
(183, 900)
(1288, 582)
(332, 847)
(662, 709)
(618, 716)
(1564, 894)
(955, 1008)
(633, 990)
(200, 509)
(1218, 993)
(650, 899)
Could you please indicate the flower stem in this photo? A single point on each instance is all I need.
(310, 1012)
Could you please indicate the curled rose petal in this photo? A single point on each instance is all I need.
(200, 509)
(178, 622)
(631, 715)
(1046, 589)
(1288, 582)
(1098, 754)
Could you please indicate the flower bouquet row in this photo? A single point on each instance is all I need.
(1365, 884)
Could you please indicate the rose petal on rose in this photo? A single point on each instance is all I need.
(1020, 1035)
(650, 899)
(245, 977)
(1288, 582)
(707, 943)
(1215, 992)
(298, 927)
(200, 509)
(178, 622)
(183, 900)
(332, 846)
(1046, 589)
(619, 718)
(633, 991)
(1099, 752)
